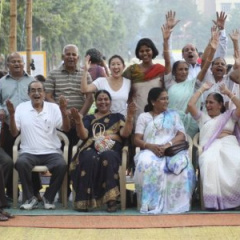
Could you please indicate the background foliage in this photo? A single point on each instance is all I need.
(112, 26)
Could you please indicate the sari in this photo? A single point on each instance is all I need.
(220, 161)
(179, 95)
(142, 82)
(160, 190)
(94, 175)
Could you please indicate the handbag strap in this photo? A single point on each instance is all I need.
(101, 128)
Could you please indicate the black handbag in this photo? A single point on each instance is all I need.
(173, 150)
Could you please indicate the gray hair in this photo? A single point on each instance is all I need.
(69, 45)
(12, 54)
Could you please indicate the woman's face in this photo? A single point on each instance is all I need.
(116, 67)
(161, 104)
(181, 72)
(213, 107)
(145, 54)
(219, 68)
(103, 103)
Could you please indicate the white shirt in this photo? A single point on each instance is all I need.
(39, 130)
(119, 98)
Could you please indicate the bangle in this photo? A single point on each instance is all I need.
(232, 97)
(170, 142)
(200, 91)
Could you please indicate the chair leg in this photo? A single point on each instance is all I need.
(64, 192)
(15, 188)
(122, 188)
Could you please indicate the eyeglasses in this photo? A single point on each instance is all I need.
(36, 90)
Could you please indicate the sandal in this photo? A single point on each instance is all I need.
(3, 217)
(111, 206)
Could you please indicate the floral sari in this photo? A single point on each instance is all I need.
(159, 190)
(95, 175)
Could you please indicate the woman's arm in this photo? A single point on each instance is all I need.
(85, 87)
(192, 108)
(235, 74)
(209, 54)
(128, 127)
(82, 132)
(166, 33)
(235, 37)
(224, 90)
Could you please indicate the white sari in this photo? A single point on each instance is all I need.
(219, 164)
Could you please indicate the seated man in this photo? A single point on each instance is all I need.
(38, 122)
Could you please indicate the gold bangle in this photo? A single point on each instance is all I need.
(200, 91)
(232, 97)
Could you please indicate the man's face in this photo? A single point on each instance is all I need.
(15, 65)
(36, 93)
(70, 58)
(190, 54)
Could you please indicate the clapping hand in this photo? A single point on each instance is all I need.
(76, 115)
(63, 103)
(234, 35)
(10, 107)
(206, 85)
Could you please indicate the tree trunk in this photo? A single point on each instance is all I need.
(29, 35)
(13, 26)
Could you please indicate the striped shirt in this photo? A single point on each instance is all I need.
(61, 82)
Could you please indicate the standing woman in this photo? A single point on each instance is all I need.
(145, 75)
(116, 85)
(164, 184)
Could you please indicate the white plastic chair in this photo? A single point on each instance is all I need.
(65, 140)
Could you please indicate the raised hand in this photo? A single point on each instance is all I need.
(206, 85)
(234, 35)
(166, 32)
(223, 89)
(220, 21)
(87, 62)
(215, 37)
(171, 22)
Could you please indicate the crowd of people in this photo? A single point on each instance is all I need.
(149, 106)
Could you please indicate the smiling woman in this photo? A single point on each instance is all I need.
(161, 188)
(94, 169)
(116, 85)
(145, 75)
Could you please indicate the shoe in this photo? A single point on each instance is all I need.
(48, 205)
(38, 196)
(30, 204)
(3, 217)
(6, 214)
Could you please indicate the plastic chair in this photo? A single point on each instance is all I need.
(121, 171)
(65, 140)
(199, 152)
